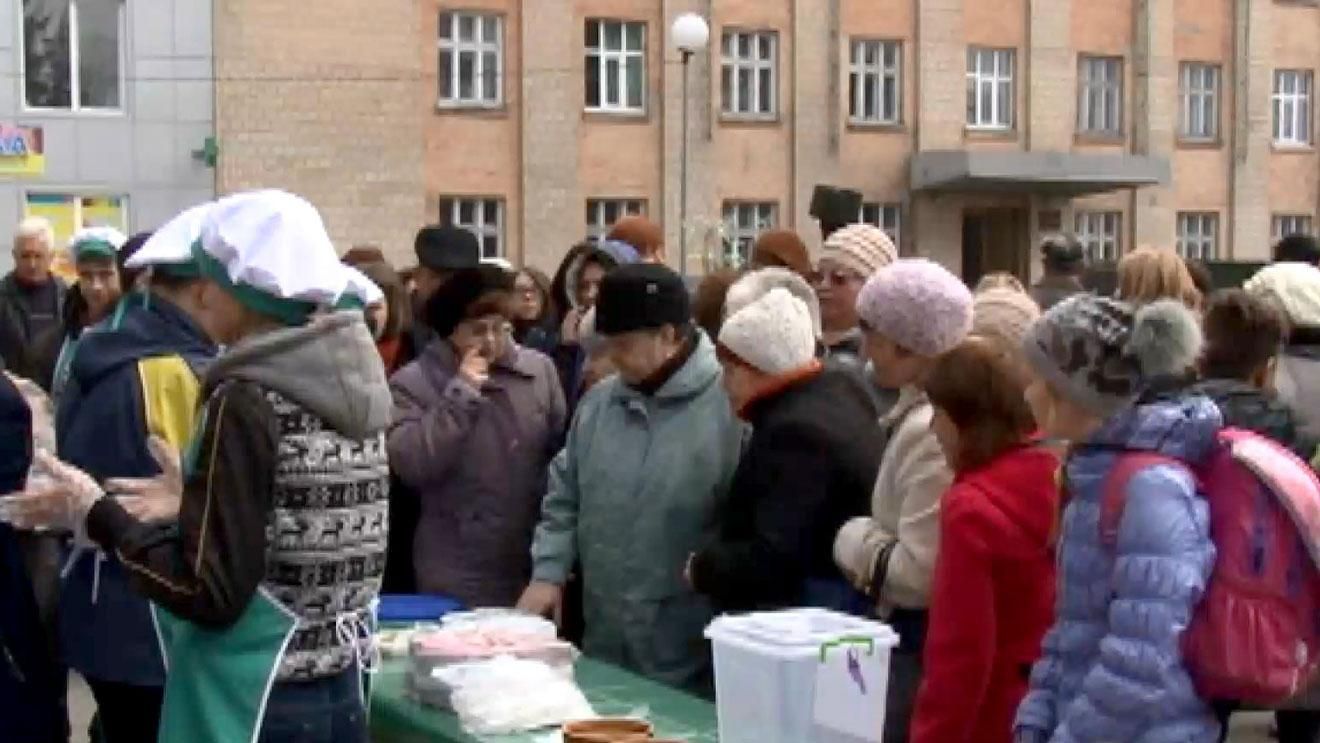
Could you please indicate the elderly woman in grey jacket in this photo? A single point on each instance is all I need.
(477, 419)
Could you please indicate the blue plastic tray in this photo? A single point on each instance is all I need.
(400, 608)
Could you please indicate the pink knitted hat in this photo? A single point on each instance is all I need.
(917, 304)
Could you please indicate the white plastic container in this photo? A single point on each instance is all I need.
(766, 666)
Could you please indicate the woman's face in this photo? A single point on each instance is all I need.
(529, 301)
(487, 335)
(588, 285)
(837, 288)
(640, 354)
(378, 315)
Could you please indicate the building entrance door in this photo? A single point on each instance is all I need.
(994, 240)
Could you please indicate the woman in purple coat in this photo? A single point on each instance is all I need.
(477, 419)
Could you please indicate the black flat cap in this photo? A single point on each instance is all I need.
(641, 296)
(447, 248)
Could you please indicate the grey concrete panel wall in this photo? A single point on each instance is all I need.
(145, 150)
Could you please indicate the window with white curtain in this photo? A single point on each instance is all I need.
(1292, 107)
(875, 82)
(1284, 225)
(1198, 235)
(991, 99)
(603, 213)
(747, 73)
(615, 72)
(888, 217)
(482, 216)
(471, 59)
(72, 54)
(1198, 100)
(1100, 234)
(744, 221)
(1100, 95)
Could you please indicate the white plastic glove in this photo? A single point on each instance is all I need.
(61, 500)
(153, 498)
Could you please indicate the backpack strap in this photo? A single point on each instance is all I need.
(1113, 495)
(1292, 482)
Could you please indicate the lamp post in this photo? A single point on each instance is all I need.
(691, 34)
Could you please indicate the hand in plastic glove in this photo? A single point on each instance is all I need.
(543, 600)
(153, 498)
(60, 501)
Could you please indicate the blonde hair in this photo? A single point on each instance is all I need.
(1149, 274)
(35, 227)
(999, 280)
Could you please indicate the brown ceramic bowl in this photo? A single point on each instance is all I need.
(606, 731)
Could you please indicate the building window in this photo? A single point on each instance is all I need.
(1198, 235)
(990, 95)
(1198, 94)
(1101, 235)
(71, 54)
(1100, 95)
(1291, 224)
(744, 221)
(1292, 107)
(603, 213)
(888, 217)
(875, 84)
(484, 217)
(616, 66)
(471, 59)
(747, 78)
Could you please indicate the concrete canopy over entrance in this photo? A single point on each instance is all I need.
(1054, 173)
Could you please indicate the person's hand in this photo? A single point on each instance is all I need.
(60, 499)
(153, 498)
(570, 331)
(474, 368)
(544, 600)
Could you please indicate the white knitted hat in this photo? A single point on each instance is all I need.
(862, 248)
(773, 334)
(1293, 287)
(756, 284)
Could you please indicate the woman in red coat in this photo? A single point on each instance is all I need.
(993, 593)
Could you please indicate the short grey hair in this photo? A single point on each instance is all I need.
(35, 227)
(756, 284)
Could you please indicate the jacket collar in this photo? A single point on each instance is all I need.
(775, 389)
(909, 398)
(700, 370)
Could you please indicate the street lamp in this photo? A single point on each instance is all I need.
(691, 34)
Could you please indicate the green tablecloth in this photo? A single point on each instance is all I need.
(612, 692)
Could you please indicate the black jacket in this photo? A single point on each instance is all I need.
(810, 466)
(18, 326)
(1247, 407)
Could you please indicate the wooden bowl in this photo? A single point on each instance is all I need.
(607, 731)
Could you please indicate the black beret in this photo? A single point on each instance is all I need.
(641, 296)
(447, 248)
(464, 296)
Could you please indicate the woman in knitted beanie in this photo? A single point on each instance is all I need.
(1111, 665)
(911, 312)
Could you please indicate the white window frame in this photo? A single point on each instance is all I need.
(887, 216)
(75, 86)
(1198, 235)
(734, 65)
(744, 221)
(1198, 98)
(622, 57)
(600, 211)
(1100, 233)
(1283, 225)
(1100, 95)
(991, 71)
(1292, 103)
(480, 48)
(881, 78)
(480, 226)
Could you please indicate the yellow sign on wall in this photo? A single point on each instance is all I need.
(22, 150)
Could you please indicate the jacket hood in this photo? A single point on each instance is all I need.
(1244, 406)
(608, 253)
(142, 326)
(329, 366)
(1021, 486)
(1182, 428)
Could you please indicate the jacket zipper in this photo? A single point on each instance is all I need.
(13, 663)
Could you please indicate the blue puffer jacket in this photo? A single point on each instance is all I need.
(1111, 667)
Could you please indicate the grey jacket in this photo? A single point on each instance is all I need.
(477, 459)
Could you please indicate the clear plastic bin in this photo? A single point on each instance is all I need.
(766, 666)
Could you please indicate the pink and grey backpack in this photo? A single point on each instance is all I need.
(1255, 637)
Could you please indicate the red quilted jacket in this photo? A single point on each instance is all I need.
(992, 598)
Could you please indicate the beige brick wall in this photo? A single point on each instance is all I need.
(322, 98)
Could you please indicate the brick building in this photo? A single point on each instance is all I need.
(970, 127)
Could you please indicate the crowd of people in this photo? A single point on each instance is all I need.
(225, 440)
